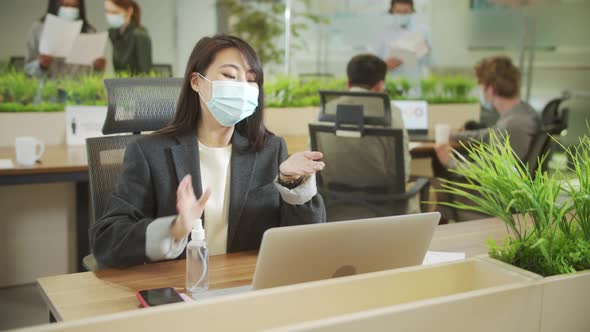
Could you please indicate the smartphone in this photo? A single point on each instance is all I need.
(158, 296)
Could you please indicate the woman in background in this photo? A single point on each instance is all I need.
(39, 65)
(132, 46)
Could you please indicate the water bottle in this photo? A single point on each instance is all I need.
(197, 261)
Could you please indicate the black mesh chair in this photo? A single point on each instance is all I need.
(135, 105)
(364, 175)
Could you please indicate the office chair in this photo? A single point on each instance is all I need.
(163, 69)
(541, 145)
(364, 175)
(135, 105)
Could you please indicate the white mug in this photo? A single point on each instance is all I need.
(26, 150)
(442, 132)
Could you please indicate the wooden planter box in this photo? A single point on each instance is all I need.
(295, 121)
(48, 127)
(565, 302)
(290, 121)
(470, 295)
(454, 114)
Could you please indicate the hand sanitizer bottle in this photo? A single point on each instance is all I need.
(197, 261)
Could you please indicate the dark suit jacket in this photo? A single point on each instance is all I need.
(146, 190)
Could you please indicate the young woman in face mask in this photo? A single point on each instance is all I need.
(132, 46)
(215, 160)
(40, 65)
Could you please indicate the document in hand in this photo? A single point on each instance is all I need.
(58, 36)
(409, 48)
(87, 48)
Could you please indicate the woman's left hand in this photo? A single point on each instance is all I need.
(300, 164)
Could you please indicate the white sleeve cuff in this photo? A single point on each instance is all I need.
(300, 195)
(159, 244)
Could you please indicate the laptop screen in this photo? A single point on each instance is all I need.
(414, 113)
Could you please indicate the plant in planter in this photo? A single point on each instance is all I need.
(261, 23)
(549, 235)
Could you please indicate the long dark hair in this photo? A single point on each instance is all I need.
(53, 7)
(126, 4)
(188, 108)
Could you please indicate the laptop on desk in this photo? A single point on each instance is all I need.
(415, 117)
(298, 254)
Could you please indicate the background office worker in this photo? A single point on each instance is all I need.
(404, 21)
(39, 65)
(499, 87)
(216, 141)
(132, 46)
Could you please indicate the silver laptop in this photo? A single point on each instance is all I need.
(415, 117)
(297, 254)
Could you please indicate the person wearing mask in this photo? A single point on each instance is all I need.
(366, 73)
(499, 88)
(132, 46)
(215, 160)
(404, 22)
(44, 65)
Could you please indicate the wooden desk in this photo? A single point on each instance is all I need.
(89, 294)
(59, 163)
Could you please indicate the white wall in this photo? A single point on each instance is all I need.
(195, 19)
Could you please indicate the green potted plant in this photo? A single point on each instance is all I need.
(548, 234)
(261, 23)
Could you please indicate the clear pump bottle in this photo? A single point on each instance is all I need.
(197, 261)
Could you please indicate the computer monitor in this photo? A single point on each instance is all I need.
(415, 115)
(297, 254)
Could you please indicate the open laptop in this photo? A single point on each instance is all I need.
(297, 254)
(415, 117)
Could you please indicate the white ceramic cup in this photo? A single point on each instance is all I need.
(442, 132)
(28, 150)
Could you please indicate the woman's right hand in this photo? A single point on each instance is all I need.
(45, 61)
(189, 208)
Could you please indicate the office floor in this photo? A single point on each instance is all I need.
(22, 306)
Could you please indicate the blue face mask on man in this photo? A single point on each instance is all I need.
(231, 101)
(403, 20)
(484, 103)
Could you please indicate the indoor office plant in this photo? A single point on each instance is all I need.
(548, 234)
(261, 23)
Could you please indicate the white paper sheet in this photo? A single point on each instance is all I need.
(58, 36)
(6, 163)
(87, 48)
(435, 257)
(410, 47)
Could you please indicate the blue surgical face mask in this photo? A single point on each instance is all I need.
(403, 20)
(115, 21)
(231, 101)
(484, 103)
(68, 13)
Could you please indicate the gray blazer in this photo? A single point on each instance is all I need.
(146, 190)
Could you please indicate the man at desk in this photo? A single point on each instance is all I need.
(366, 73)
(499, 83)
